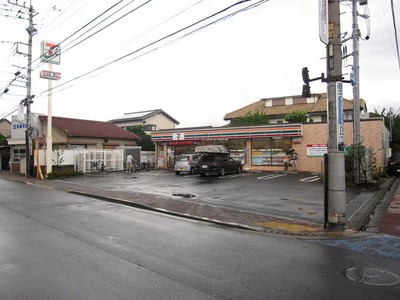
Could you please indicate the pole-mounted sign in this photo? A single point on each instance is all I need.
(51, 52)
(323, 21)
(339, 113)
(50, 75)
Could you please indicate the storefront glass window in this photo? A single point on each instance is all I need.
(269, 151)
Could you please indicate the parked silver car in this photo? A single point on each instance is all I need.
(186, 163)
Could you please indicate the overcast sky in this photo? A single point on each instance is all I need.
(197, 79)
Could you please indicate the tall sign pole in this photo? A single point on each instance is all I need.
(336, 187)
(50, 54)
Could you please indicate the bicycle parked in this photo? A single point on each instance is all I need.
(99, 167)
(143, 166)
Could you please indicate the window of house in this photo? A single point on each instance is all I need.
(148, 127)
(18, 154)
(76, 147)
(269, 151)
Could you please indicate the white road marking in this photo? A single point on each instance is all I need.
(271, 176)
(310, 179)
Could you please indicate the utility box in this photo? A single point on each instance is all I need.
(133, 150)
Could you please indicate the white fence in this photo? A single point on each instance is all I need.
(84, 160)
(113, 159)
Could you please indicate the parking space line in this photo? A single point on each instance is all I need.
(310, 179)
(271, 176)
(234, 175)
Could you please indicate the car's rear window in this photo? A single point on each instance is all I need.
(207, 159)
(395, 157)
(183, 158)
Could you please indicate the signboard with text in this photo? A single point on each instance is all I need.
(50, 75)
(317, 150)
(339, 114)
(323, 21)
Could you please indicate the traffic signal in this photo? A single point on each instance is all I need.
(306, 86)
(306, 77)
(306, 91)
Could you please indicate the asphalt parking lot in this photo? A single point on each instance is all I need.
(290, 195)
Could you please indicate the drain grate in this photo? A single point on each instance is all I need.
(184, 195)
(372, 276)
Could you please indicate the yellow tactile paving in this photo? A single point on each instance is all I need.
(285, 226)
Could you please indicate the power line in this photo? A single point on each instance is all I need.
(108, 25)
(163, 22)
(84, 26)
(168, 36)
(395, 33)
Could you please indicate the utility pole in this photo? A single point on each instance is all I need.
(336, 187)
(28, 100)
(31, 31)
(356, 94)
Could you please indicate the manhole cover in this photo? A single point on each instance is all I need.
(372, 276)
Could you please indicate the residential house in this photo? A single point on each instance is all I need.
(5, 127)
(68, 134)
(277, 108)
(88, 134)
(151, 120)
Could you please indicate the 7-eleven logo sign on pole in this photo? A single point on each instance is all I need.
(51, 53)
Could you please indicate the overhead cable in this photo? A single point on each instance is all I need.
(166, 37)
(87, 24)
(395, 33)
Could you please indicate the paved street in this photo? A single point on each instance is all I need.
(59, 245)
(298, 196)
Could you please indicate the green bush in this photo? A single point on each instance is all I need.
(63, 174)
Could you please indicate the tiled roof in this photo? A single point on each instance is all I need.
(88, 128)
(142, 115)
(280, 110)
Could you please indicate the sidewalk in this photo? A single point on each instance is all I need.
(360, 208)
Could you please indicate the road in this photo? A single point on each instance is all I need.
(56, 245)
(299, 196)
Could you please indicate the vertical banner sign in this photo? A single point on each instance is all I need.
(323, 21)
(51, 53)
(339, 113)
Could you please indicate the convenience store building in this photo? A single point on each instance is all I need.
(264, 148)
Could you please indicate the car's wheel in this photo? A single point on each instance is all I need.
(239, 169)
(191, 171)
(177, 172)
(222, 172)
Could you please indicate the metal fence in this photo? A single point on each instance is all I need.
(87, 159)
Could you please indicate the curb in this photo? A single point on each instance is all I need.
(165, 211)
(362, 214)
(354, 223)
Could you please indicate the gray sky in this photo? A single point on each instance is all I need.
(258, 53)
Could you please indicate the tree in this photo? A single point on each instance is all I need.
(256, 118)
(297, 116)
(3, 140)
(394, 119)
(145, 142)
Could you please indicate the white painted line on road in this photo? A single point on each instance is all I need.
(310, 179)
(234, 175)
(272, 176)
